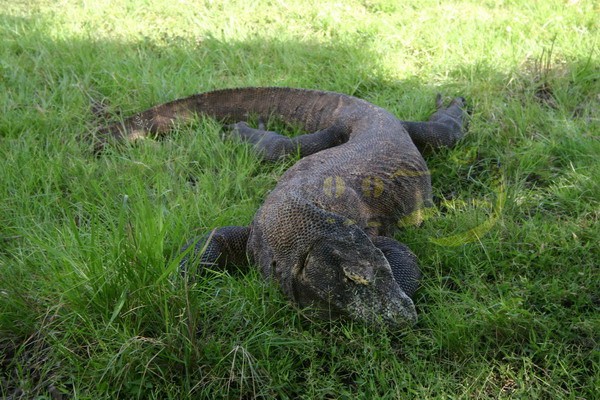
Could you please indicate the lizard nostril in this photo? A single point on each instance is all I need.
(357, 277)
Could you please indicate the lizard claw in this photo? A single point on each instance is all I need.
(233, 129)
(236, 126)
(261, 124)
(457, 101)
(439, 102)
(456, 110)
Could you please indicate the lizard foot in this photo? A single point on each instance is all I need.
(245, 132)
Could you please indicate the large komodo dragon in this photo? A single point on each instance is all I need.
(324, 233)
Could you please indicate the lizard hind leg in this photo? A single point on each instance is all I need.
(270, 146)
(445, 127)
(273, 146)
(221, 248)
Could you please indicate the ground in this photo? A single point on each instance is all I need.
(89, 306)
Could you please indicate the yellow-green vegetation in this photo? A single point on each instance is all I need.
(90, 301)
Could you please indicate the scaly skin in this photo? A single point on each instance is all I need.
(324, 232)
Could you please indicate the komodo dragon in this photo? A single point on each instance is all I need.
(324, 233)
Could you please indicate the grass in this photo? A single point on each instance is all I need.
(509, 308)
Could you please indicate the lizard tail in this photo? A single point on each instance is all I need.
(310, 109)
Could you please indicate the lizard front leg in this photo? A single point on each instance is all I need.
(221, 248)
(403, 262)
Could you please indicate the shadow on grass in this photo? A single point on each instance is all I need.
(48, 82)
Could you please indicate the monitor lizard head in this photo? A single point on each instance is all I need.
(347, 276)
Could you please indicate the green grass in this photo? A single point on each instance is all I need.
(88, 245)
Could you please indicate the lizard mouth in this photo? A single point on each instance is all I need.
(395, 310)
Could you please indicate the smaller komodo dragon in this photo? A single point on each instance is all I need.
(324, 233)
